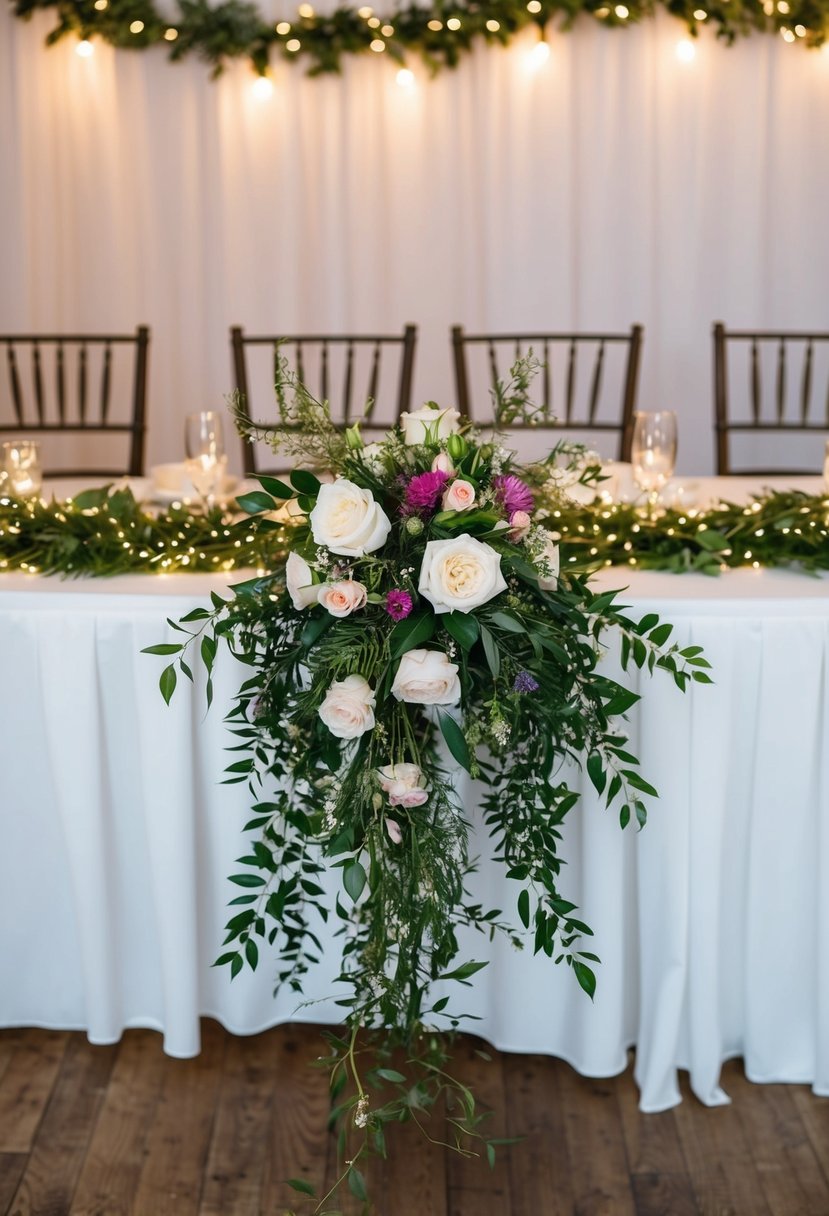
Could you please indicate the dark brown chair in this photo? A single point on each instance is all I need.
(795, 367)
(330, 366)
(58, 384)
(565, 358)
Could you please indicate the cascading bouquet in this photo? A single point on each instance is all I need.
(420, 625)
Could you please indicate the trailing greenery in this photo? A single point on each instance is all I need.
(420, 629)
(440, 33)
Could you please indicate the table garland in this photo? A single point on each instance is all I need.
(440, 33)
(105, 532)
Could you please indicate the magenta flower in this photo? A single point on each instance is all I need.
(398, 605)
(423, 493)
(512, 494)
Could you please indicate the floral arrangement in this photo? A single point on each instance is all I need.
(421, 627)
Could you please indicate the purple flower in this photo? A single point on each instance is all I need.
(524, 682)
(512, 494)
(423, 493)
(398, 605)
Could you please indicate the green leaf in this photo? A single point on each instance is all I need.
(596, 771)
(660, 636)
(299, 1184)
(247, 880)
(462, 627)
(164, 648)
(586, 977)
(493, 655)
(305, 482)
(524, 908)
(390, 1074)
(647, 622)
(357, 1184)
(208, 651)
(251, 953)
(464, 971)
(507, 622)
(274, 486)
(455, 740)
(255, 502)
(354, 879)
(408, 634)
(167, 682)
(714, 541)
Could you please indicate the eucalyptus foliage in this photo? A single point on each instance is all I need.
(379, 798)
(237, 29)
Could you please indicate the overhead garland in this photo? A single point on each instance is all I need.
(439, 34)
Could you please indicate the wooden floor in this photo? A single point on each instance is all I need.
(127, 1131)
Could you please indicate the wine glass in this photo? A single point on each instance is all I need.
(206, 459)
(653, 452)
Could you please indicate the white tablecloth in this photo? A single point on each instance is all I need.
(116, 837)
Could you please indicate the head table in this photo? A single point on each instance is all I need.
(713, 923)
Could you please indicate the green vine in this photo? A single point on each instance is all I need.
(440, 33)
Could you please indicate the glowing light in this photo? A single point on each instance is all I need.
(787, 35)
(406, 78)
(387, 31)
(493, 26)
(453, 23)
(373, 23)
(283, 28)
(377, 44)
(700, 14)
(622, 11)
(800, 30)
(293, 44)
(685, 50)
(534, 6)
(602, 12)
(538, 56)
(306, 11)
(365, 12)
(85, 49)
(782, 6)
(434, 24)
(136, 27)
(262, 88)
(100, 5)
(171, 34)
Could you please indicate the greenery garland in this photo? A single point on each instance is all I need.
(439, 33)
(104, 532)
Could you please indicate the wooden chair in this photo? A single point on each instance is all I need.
(790, 405)
(563, 355)
(330, 365)
(58, 384)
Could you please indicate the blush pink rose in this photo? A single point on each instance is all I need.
(459, 496)
(341, 599)
(393, 829)
(519, 525)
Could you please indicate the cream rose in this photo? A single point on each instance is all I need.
(347, 520)
(300, 582)
(341, 599)
(439, 424)
(460, 574)
(403, 784)
(549, 562)
(348, 707)
(426, 677)
(459, 496)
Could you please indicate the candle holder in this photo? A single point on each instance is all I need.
(21, 473)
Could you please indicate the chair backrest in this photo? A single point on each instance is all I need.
(588, 381)
(82, 384)
(362, 377)
(781, 389)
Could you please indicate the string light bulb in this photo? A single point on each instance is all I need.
(262, 88)
(387, 31)
(84, 48)
(365, 12)
(787, 35)
(406, 78)
(170, 34)
(377, 44)
(493, 26)
(136, 27)
(700, 14)
(534, 6)
(293, 45)
(100, 5)
(539, 55)
(306, 11)
(434, 24)
(453, 23)
(622, 11)
(373, 23)
(283, 28)
(685, 50)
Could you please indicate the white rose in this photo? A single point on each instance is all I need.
(439, 423)
(348, 707)
(549, 561)
(443, 464)
(459, 496)
(426, 677)
(300, 582)
(460, 574)
(404, 784)
(341, 599)
(347, 520)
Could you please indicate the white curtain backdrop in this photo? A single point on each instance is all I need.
(614, 183)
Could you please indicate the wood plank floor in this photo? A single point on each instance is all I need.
(127, 1131)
